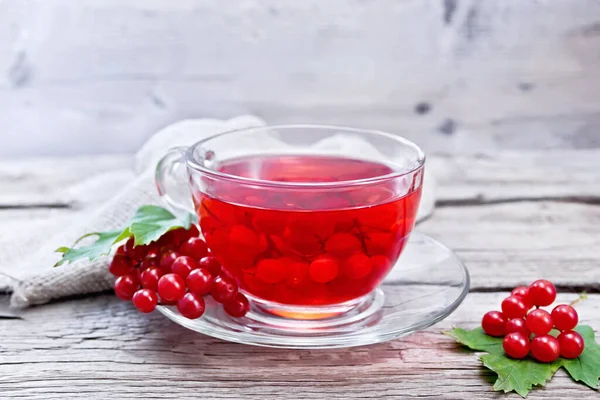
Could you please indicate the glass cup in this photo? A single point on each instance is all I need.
(307, 219)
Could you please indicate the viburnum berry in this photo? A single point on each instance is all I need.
(211, 264)
(223, 289)
(183, 265)
(167, 260)
(542, 293)
(171, 287)
(571, 344)
(152, 250)
(517, 325)
(545, 348)
(323, 269)
(126, 286)
(134, 252)
(523, 293)
(514, 307)
(121, 265)
(494, 323)
(516, 345)
(145, 300)
(191, 306)
(150, 277)
(200, 281)
(238, 306)
(564, 317)
(194, 247)
(271, 270)
(539, 322)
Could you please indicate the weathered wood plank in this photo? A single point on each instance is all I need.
(479, 178)
(516, 243)
(102, 347)
(48, 181)
(512, 176)
(508, 74)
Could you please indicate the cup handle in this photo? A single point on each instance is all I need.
(166, 171)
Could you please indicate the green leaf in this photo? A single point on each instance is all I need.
(586, 367)
(147, 225)
(93, 251)
(519, 375)
(476, 339)
(151, 222)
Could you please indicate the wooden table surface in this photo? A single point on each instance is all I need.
(511, 217)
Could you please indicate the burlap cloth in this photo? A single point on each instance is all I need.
(26, 261)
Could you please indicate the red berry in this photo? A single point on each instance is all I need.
(516, 345)
(539, 322)
(152, 251)
(494, 323)
(523, 292)
(167, 260)
(211, 264)
(514, 307)
(120, 250)
(149, 262)
(136, 253)
(542, 293)
(191, 306)
(238, 306)
(545, 348)
(145, 300)
(223, 289)
(243, 237)
(323, 269)
(342, 245)
(183, 265)
(171, 287)
(194, 247)
(178, 236)
(121, 265)
(126, 286)
(571, 344)
(271, 270)
(166, 248)
(564, 317)
(200, 281)
(193, 231)
(357, 266)
(150, 277)
(517, 325)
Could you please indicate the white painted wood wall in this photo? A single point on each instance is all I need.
(95, 76)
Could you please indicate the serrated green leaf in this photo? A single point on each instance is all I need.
(476, 339)
(93, 251)
(147, 225)
(586, 367)
(151, 222)
(519, 375)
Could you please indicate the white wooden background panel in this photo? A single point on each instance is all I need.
(98, 76)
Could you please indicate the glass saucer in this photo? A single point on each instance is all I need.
(425, 286)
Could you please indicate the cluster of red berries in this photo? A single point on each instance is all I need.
(517, 324)
(177, 269)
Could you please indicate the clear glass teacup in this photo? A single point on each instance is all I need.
(307, 219)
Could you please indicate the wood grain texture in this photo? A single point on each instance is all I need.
(80, 77)
(61, 182)
(102, 348)
(511, 217)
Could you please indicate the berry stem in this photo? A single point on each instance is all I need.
(582, 296)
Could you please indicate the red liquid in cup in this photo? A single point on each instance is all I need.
(307, 246)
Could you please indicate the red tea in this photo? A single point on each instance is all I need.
(307, 246)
